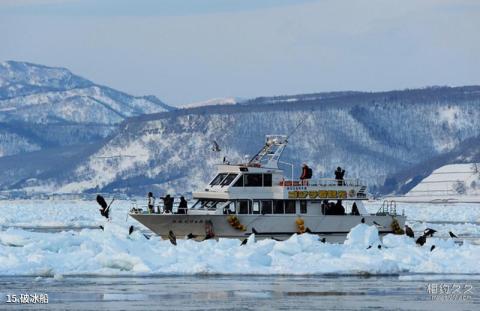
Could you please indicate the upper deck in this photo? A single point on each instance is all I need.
(261, 178)
(243, 182)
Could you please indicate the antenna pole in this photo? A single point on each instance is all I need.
(298, 125)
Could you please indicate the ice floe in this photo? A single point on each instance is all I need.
(81, 248)
(114, 252)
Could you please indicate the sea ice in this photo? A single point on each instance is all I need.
(82, 248)
(114, 252)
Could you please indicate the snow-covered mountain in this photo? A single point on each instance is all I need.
(42, 106)
(371, 135)
(453, 182)
(404, 180)
(215, 101)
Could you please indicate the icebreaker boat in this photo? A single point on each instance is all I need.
(256, 197)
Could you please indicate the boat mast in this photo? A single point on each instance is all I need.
(270, 154)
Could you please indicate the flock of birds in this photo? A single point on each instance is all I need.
(426, 233)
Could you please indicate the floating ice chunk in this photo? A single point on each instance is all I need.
(363, 236)
(259, 259)
(289, 247)
(12, 239)
(251, 239)
(394, 240)
(44, 272)
(57, 277)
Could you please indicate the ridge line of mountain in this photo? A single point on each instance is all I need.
(357, 97)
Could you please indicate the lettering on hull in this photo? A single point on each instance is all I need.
(321, 194)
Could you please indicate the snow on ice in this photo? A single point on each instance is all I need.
(80, 250)
(114, 252)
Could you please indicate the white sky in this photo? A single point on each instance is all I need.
(188, 51)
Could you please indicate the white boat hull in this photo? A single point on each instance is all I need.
(334, 228)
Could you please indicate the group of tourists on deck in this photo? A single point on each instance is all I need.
(307, 175)
(167, 204)
(330, 208)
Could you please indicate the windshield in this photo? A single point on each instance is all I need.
(228, 180)
(217, 180)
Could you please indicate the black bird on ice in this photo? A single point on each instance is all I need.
(429, 232)
(421, 240)
(409, 232)
(172, 237)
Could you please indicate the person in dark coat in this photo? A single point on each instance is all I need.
(324, 207)
(167, 204)
(182, 207)
(339, 173)
(339, 209)
(355, 209)
(330, 209)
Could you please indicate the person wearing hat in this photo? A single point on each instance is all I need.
(339, 173)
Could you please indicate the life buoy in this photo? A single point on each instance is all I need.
(300, 225)
(396, 227)
(235, 222)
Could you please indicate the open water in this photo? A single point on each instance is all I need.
(408, 292)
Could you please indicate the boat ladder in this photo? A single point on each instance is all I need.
(387, 208)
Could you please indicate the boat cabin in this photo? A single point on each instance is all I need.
(260, 187)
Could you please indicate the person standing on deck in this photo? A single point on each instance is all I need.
(182, 206)
(306, 174)
(167, 204)
(339, 173)
(150, 202)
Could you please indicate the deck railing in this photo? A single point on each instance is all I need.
(158, 208)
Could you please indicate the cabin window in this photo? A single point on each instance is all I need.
(197, 204)
(253, 180)
(228, 180)
(239, 182)
(278, 207)
(303, 207)
(229, 208)
(208, 204)
(290, 207)
(242, 207)
(217, 180)
(267, 180)
(256, 207)
(266, 207)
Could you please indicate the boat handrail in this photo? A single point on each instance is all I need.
(388, 208)
(323, 182)
(158, 206)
